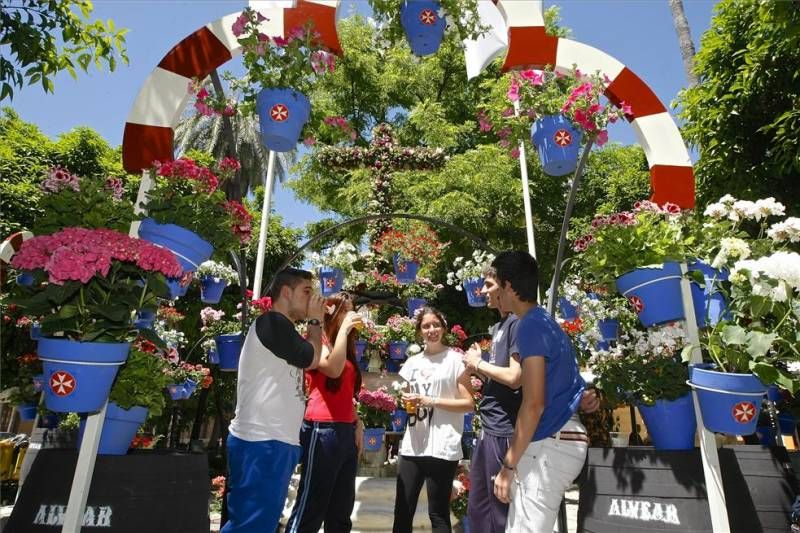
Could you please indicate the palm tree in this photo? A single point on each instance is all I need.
(684, 39)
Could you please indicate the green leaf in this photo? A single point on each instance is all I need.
(734, 335)
(758, 343)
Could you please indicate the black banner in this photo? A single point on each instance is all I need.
(143, 491)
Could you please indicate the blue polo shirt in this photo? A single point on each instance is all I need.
(538, 334)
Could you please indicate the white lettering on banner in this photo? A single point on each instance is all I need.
(53, 515)
(644, 511)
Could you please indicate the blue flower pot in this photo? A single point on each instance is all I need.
(361, 346)
(405, 271)
(176, 288)
(654, 293)
(558, 143)
(27, 411)
(330, 280)
(25, 279)
(787, 423)
(468, 417)
(282, 113)
(373, 439)
(36, 331)
(392, 365)
(211, 289)
(189, 249)
(730, 403)
(399, 419)
(119, 429)
(175, 391)
(363, 364)
(609, 329)
(229, 347)
(415, 303)
(189, 386)
(709, 302)
(79, 374)
(472, 287)
(213, 356)
(423, 26)
(671, 424)
(145, 320)
(397, 350)
(568, 311)
(774, 393)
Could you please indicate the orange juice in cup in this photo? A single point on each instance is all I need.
(410, 406)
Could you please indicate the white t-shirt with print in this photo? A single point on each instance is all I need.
(434, 432)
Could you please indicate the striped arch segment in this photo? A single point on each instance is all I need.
(149, 134)
(529, 46)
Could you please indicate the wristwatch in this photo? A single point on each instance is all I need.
(312, 322)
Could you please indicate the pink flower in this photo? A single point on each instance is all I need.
(513, 90)
(602, 138)
(59, 179)
(507, 112)
(672, 209)
(514, 153)
(280, 41)
(238, 26)
(309, 141)
(626, 108)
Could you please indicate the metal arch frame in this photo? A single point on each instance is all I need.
(334, 229)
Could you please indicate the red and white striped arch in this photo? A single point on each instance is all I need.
(671, 174)
(158, 107)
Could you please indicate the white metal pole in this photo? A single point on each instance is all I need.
(526, 198)
(708, 444)
(262, 234)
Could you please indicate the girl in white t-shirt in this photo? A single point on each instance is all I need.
(431, 447)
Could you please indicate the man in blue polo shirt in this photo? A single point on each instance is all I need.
(549, 445)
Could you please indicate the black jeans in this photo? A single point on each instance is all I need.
(328, 482)
(437, 474)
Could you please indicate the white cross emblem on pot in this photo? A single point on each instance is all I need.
(62, 383)
(427, 17)
(279, 113)
(562, 138)
(744, 412)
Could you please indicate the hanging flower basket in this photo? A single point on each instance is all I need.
(654, 293)
(26, 411)
(229, 347)
(709, 302)
(558, 143)
(414, 304)
(472, 287)
(468, 418)
(397, 350)
(79, 374)
(568, 311)
(213, 356)
(399, 419)
(730, 403)
(36, 331)
(119, 429)
(373, 439)
(331, 280)
(423, 25)
(178, 287)
(182, 391)
(671, 424)
(211, 289)
(282, 113)
(405, 271)
(187, 246)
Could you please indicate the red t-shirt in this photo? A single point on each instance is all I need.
(325, 405)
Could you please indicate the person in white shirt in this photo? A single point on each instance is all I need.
(264, 441)
(431, 447)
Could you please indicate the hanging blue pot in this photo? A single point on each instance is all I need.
(213, 356)
(730, 403)
(774, 393)
(229, 347)
(568, 311)
(145, 320)
(472, 287)
(363, 364)
(25, 279)
(392, 365)
(178, 287)
(373, 439)
(405, 271)
(282, 113)
(468, 418)
(397, 350)
(787, 423)
(415, 303)
(189, 249)
(399, 419)
(654, 293)
(211, 289)
(709, 302)
(558, 143)
(79, 374)
(361, 346)
(423, 26)
(119, 429)
(36, 331)
(331, 280)
(26, 411)
(671, 424)
(175, 391)
(189, 386)
(609, 329)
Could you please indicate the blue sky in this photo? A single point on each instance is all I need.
(639, 33)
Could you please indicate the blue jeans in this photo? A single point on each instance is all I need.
(486, 513)
(258, 480)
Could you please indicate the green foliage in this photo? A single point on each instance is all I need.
(644, 380)
(141, 381)
(744, 116)
(44, 38)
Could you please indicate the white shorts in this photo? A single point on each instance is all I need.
(546, 470)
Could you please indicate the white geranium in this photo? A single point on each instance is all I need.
(780, 266)
(218, 271)
(471, 268)
(727, 200)
(730, 248)
(793, 367)
(341, 256)
(717, 211)
(786, 231)
(742, 210)
(767, 207)
(171, 337)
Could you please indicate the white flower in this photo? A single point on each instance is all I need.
(218, 271)
(413, 349)
(731, 247)
(742, 210)
(766, 207)
(727, 200)
(716, 211)
(794, 367)
(788, 230)
(780, 266)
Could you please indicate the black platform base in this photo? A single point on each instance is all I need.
(142, 491)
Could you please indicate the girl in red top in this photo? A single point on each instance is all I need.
(331, 434)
